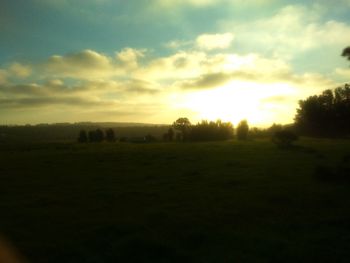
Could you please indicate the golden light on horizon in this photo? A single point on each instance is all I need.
(242, 100)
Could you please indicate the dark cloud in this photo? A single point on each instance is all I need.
(206, 81)
(36, 102)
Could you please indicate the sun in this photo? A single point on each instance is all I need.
(241, 100)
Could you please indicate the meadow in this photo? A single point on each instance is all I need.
(234, 201)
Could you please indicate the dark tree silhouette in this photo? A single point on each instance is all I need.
(210, 131)
(346, 52)
(150, 138)
(82, 138)
(92, 136)
(96, 136)
(99, 135)
(183, 125)
(284, 138)
(327, 114)
(171, 134)
(242, 130)
(110, 135)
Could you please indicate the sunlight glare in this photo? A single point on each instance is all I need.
(237, 101)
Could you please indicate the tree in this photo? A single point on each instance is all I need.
(92, 136)
(242, 130)
(96, 136)
(327, 114)
(110, 135)
(99, 135)
(346, 52)
(82, 138)
(183, 125)
(171, 134)
(210, 131)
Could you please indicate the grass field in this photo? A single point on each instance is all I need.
(175, 202)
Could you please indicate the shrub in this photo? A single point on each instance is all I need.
(284, 138)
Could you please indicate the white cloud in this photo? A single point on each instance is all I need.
(176, 44)
(129, 57)
(214, 41)
(292, 30)
(179, 65)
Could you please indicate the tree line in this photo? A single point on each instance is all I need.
(183, 130)
(97, 135)
(327, 114)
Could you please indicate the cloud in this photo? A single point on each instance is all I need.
(206, 81)
(343, 73)
(128, 57)
(196, 3)
(182, 64)
(19, 70)
(140, 87)
(294, 29)
(36, 102)
(176, 44)
(277, 99)
(3, 76)
(85, 64)
(209, 3)
(214, 41)
(254, 68)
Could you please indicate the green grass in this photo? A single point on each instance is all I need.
(172, 202)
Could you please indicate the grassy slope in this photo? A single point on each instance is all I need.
(201, 202)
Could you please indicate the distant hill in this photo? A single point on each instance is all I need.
(60, 132)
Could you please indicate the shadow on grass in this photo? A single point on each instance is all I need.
(338, 174)
(298, 148)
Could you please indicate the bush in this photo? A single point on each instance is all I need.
(284, 138)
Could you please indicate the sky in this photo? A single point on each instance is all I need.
(153, 61)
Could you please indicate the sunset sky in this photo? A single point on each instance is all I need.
(154, 61)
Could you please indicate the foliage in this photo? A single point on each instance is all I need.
(183, 125)
(202, 131)
(210, 131)
(96, 135)
(169, 135)
(284, 138)
(326, 114)
(346, 52)
(82, 138)
(150, 138)
(242, 130)
(110, 135)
